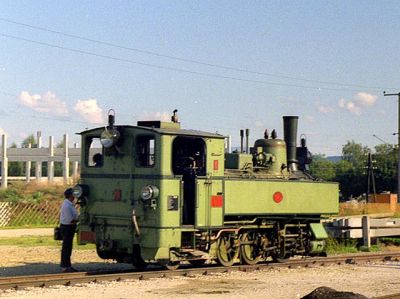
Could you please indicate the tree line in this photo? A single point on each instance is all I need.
(351, 170)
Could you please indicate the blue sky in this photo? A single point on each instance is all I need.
(327, 62)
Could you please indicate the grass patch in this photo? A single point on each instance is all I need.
(29, 226)
(335, 246)
(390, 241)
(32, 192)
(34, 241)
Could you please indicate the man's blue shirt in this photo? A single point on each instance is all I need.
(68, 212)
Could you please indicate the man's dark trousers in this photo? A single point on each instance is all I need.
(67, 233)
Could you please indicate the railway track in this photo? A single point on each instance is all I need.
(67, 279)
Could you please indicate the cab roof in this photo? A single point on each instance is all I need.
(165, 131)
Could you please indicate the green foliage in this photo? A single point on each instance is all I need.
(10, 194)
(335, 246)
(390, 241)
(15, 168)
(29, 140)
(355, 153)
(350, 172)
(19, 191)
(353, 181)
(386, 167)
(322, 168)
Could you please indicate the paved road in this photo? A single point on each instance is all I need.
(19, 232)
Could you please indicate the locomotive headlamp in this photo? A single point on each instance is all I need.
(149, 192)
(109, 137)
(81, 190)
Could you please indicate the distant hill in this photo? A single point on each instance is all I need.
(334, 158)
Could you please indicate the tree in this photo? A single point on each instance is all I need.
(386, 167)
(15, 168)
(30, 139)
(349, 181)
(355, 153)
(351, 174)
(322, 168)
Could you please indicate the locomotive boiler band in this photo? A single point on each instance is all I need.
(165, 194)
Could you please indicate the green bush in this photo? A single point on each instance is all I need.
(335, 246)
(34, 193)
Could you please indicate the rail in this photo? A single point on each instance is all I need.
(104, 276)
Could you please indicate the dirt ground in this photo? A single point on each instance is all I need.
(370, 280)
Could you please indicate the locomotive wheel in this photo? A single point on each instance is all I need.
(249, 252)
(172, 265)
(227, 251)
(280, 258)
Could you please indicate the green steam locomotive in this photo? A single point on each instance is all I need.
(158, 193)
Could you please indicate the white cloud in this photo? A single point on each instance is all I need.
(90, 111)
(162, 116)
(365, 99)
(353, 108)
(310, 133)
(342, 103)
(258, 124)
(309, 118)
(324, 109)
(45, 103)
(358, 102)
(23, 135)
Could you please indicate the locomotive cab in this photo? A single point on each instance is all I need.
(147, 188)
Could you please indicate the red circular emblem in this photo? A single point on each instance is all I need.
(278, 196)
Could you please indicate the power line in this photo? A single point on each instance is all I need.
(171, 68)
(225, 67)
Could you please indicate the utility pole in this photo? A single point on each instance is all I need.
(398, 143)
(370, 177)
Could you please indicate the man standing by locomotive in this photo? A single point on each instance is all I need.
(68, 220)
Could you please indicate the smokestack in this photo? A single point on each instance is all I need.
(247, 140)
(241, 140)
(290, 136)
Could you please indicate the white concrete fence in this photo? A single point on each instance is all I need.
(40, 155)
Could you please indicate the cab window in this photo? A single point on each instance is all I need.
(188, 154)
(93, 152)
(145, 151)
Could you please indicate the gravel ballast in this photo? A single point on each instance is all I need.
(369, 280)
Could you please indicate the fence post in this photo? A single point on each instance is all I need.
(38, 168)
(66, 160)
(75, 167)
(4, 163)
(28, 165)
(366, 232)
(50, 162)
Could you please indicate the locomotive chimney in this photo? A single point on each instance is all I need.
(247, 140)
(290, 136)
